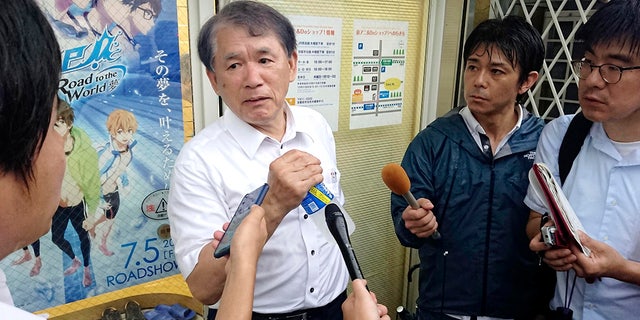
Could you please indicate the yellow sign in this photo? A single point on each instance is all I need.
(392, 84)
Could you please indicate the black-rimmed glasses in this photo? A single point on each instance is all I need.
(147, 14)
(610, 73)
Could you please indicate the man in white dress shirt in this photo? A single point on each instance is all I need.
(602, 184)
(249, 50)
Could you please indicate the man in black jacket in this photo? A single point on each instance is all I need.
(468, 170)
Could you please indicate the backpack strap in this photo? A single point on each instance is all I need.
(572, 143)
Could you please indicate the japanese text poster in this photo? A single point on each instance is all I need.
(318, 83)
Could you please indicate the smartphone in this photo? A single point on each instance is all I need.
(254, 197)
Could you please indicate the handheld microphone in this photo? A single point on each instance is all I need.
(398, 182)
(338, 228)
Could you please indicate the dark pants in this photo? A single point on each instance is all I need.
(428, 315)
(59, 224)
(331, 311)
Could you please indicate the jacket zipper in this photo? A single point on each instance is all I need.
(485, 274)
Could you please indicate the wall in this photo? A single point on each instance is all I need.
(451, 52)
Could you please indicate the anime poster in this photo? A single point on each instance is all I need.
(120, 111)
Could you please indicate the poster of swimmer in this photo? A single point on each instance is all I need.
(120, 111)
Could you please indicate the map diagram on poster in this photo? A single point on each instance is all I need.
(378, 71)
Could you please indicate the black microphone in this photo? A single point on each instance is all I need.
(338, 228)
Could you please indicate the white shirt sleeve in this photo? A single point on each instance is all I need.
(547, 153)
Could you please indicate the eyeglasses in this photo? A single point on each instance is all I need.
(147, 14)
(610, 73)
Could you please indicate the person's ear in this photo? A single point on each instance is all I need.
(213, 80)
(293, 66)
(531, 79)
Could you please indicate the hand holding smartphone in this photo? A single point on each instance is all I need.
(254, 197)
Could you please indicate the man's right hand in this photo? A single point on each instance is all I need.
(421, 222)
(290, 178)
(559, 259)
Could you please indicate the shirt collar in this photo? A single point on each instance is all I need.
(250, 139)
(301, 126)
(474, 126)
(476, 129)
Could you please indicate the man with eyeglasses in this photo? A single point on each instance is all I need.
(141, 16)
(602, 185)
(81, 18)
(610, 73)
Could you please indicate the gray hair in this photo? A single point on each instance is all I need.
(257, 18)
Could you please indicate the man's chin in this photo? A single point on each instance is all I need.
(593, 115)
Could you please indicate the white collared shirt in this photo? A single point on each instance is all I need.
(7, 309)
(5, 294)
(476, 129)
(298, 268)
(602, 188)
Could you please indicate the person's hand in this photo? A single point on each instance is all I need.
(559, 259)
(362, 304)
(217, 235)
(241, 267)
(604, 260)
(421, 222)
(248, 240)
(290, 178)
(251, 235)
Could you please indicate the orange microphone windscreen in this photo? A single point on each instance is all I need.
(396, 178)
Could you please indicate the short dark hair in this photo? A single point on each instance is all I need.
(29, 77)
(518, 40)
(617, 22)
(257, 18)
